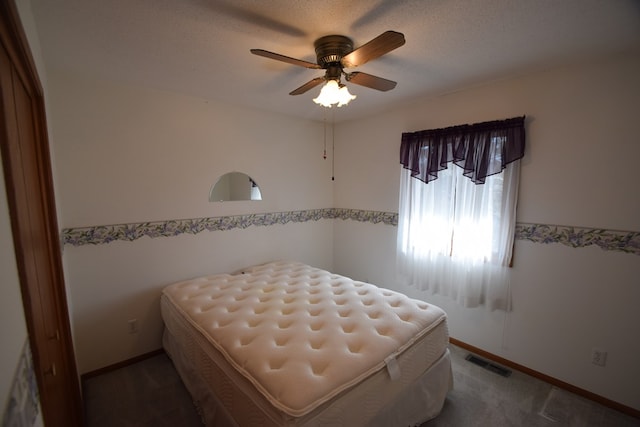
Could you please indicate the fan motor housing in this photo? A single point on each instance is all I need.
(331, 49)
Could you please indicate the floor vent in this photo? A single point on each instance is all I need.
(500, 370)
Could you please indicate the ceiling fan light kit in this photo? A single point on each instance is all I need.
(333, 93)
(334, 53)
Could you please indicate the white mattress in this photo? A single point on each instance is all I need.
(286, 341)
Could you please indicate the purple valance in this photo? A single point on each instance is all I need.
(481, 149)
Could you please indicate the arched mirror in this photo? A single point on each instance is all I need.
(235, 186)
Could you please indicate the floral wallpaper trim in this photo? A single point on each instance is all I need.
(621, 241)
(102, 234)
(578, 237)
(374, 217)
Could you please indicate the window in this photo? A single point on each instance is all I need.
(457, 209)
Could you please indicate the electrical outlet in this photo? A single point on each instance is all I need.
(133, 326)
(598, 357)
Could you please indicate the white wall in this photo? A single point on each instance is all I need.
(127, 155)
(580, 169)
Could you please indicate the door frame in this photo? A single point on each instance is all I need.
(14, 41)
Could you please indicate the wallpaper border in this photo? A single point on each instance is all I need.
(575, 237)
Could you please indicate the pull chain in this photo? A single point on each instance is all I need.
(333, 147)
(333, 142)
(324, 156)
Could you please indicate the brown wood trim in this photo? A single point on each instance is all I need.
(30, 155)
(121, 364)
(15, 41)
(550, 380)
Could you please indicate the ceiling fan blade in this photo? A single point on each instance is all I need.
(384, 43)
(308, 85)
(278, 57)
(370, 81)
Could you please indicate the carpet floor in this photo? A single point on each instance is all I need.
(150, 393)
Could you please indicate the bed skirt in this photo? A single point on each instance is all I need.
(420, 401)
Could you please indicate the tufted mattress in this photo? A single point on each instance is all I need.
(284, 343)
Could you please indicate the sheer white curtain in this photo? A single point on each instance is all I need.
(455, 237)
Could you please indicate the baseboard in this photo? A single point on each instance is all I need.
(550, 380)
(119, 365)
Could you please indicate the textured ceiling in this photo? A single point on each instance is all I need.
(201, 47)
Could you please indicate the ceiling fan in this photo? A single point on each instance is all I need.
(335, 53)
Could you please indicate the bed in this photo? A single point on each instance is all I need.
(287, 344)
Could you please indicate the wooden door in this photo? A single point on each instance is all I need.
(27, 169)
